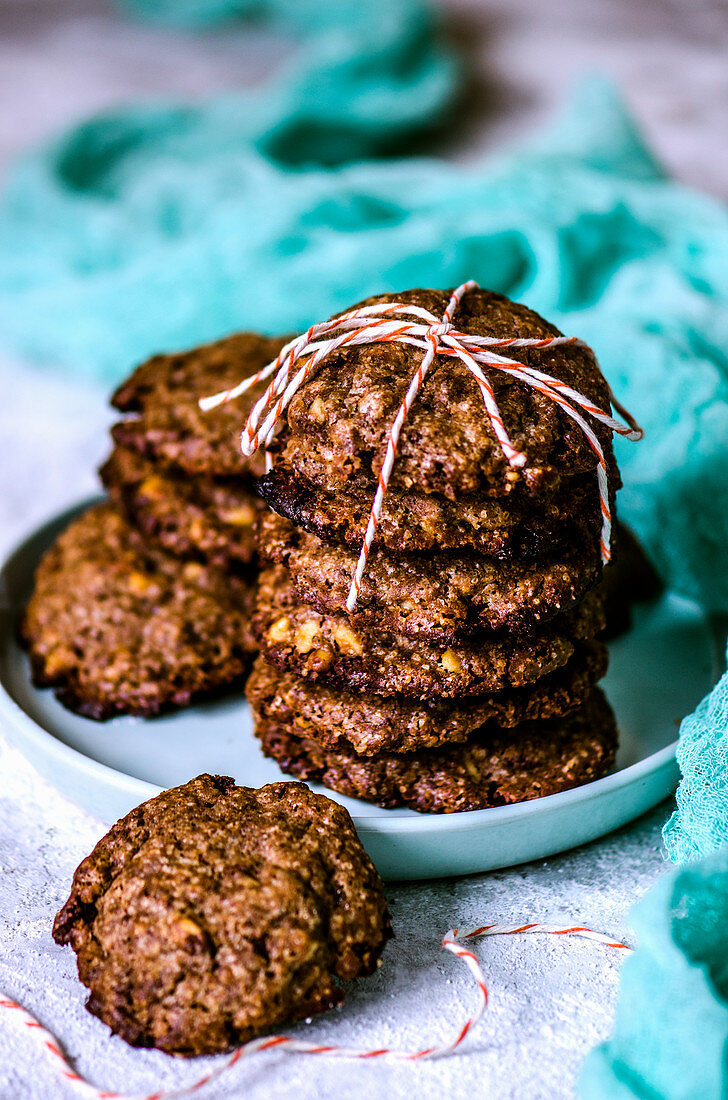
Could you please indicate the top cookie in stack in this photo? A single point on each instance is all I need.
(474, 632)
(451, 485)
(176, 472)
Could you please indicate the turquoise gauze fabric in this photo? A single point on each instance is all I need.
(154, 228)
(699, 825)
(670, 1039)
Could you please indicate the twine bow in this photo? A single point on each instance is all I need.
(380, 323)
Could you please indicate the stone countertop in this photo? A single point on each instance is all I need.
(551, 1000)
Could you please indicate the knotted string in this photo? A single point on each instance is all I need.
(379, 323)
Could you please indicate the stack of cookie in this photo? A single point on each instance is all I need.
(464, 677)
(176, 472)
(145, 601)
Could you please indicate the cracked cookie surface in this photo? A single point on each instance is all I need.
(117, 628)
(340, 417)
(213, 913)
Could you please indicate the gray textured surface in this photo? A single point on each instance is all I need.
(551, 999)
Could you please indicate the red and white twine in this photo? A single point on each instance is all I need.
(452, 941)
(379, 323)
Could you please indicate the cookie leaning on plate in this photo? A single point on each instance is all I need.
(213, 913)
(144, 603)
(117, 628)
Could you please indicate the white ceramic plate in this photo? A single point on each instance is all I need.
(657, 674)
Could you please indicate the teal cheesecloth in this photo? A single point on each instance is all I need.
(670, 1039)
(155, 228)
(159, 226)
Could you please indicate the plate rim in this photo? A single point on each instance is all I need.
(13, 712)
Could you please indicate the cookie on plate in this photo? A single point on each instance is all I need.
(629, 578)
(372, 724)
(166, 422)
(417, 521)
(439, 596)
(213, 913)
(494, 768)
(211, 519)
(327, 648)
(118, 629)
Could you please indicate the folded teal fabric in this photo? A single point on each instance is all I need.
(670, 1039)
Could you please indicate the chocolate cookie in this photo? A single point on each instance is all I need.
(371, 724)
(213, 913)
(493, 769)
(326, 647)
(340, 418)
(439, 596)
(211, 519)
(120, 630)
(168, 424)
(413, 521)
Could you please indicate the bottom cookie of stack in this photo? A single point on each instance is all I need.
(493, 766)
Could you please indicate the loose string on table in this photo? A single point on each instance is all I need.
(380, 323)
(453, 942)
